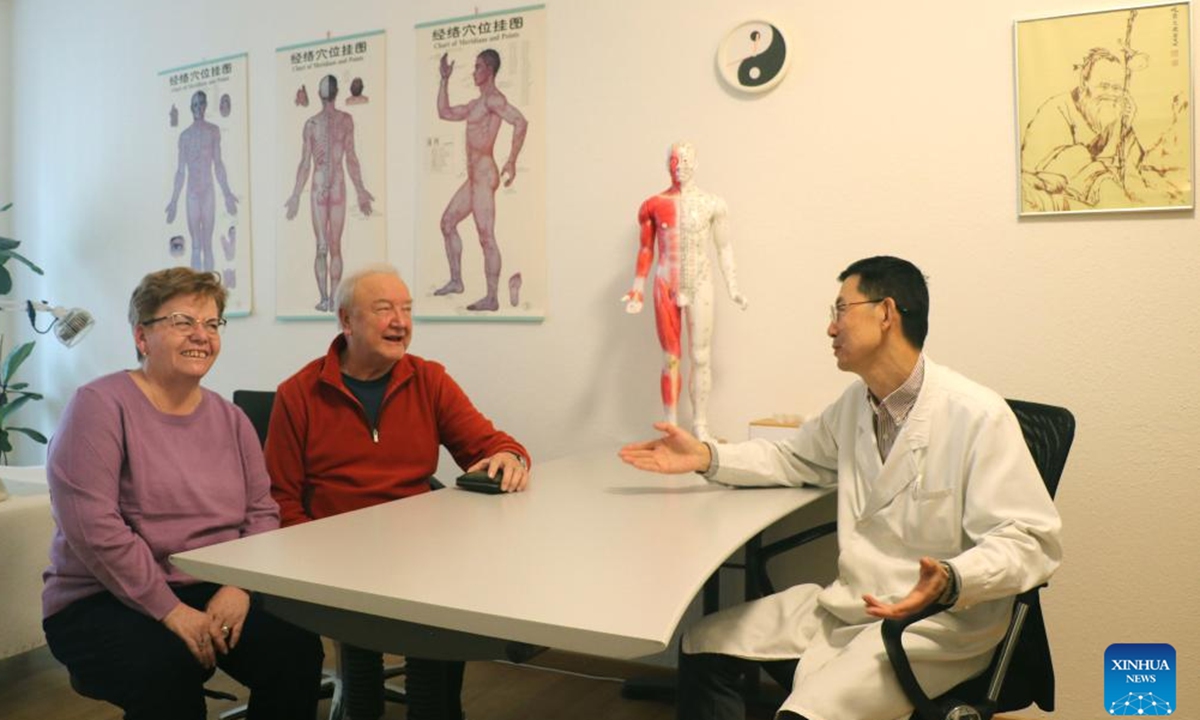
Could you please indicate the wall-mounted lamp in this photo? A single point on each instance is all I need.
(69, 324)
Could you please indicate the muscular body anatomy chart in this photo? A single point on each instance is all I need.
(481, 206)
(332, 162)
(206, 196)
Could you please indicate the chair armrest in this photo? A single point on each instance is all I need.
(769, 551)
(1007, 649)
(892, 631)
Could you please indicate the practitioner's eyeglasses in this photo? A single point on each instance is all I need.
(185, 324)
(836, 311)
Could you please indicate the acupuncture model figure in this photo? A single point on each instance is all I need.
(679, 220)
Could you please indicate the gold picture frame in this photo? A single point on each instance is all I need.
(1103, 111)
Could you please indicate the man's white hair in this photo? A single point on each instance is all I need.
(344, 297)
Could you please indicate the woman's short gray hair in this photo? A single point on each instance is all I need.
(158, 287)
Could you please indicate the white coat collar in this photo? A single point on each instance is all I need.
(906, 461)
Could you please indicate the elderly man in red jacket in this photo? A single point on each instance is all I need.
(362, 426)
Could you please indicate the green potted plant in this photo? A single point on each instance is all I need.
(13, 394)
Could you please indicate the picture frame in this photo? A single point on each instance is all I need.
(328, 87)
(1103, 111)
(492, 266)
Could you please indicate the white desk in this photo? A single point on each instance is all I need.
(596, 557)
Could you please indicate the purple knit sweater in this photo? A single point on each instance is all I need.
(131, 485)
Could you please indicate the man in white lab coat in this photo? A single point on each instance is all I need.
(938, 500)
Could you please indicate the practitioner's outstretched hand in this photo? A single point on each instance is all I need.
(677, 451)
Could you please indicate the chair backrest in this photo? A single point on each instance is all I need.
(1049, 432)
(257, 405)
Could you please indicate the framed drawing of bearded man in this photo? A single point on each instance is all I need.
(1103, 111)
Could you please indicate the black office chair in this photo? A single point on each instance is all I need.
(257, 404)
(88, 691)
(1025, 651)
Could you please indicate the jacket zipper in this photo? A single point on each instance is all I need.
(375, 429)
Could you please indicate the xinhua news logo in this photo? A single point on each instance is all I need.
(1139, 679)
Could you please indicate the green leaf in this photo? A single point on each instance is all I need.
(25, 260)
(5, 281)
(2, 209)
(29, 432)
(18, 386)
(5, 443)
(12, 407)
(8, 243)
(27, 393)
(14, 360)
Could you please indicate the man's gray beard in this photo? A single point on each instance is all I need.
(1101, 114)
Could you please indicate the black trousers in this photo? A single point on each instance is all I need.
(433, 687)
(117, 654)
(710, 685)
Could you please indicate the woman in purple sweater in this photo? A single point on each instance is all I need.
(146, 463)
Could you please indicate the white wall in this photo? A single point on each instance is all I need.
(892, 134)
(6, 19)
(6, 141)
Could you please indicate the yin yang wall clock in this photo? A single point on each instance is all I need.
(753, 57)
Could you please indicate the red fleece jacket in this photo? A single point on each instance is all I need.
(324, 459)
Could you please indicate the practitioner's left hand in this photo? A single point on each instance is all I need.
(930, 586)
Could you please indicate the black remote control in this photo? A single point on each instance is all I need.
(479, 481)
